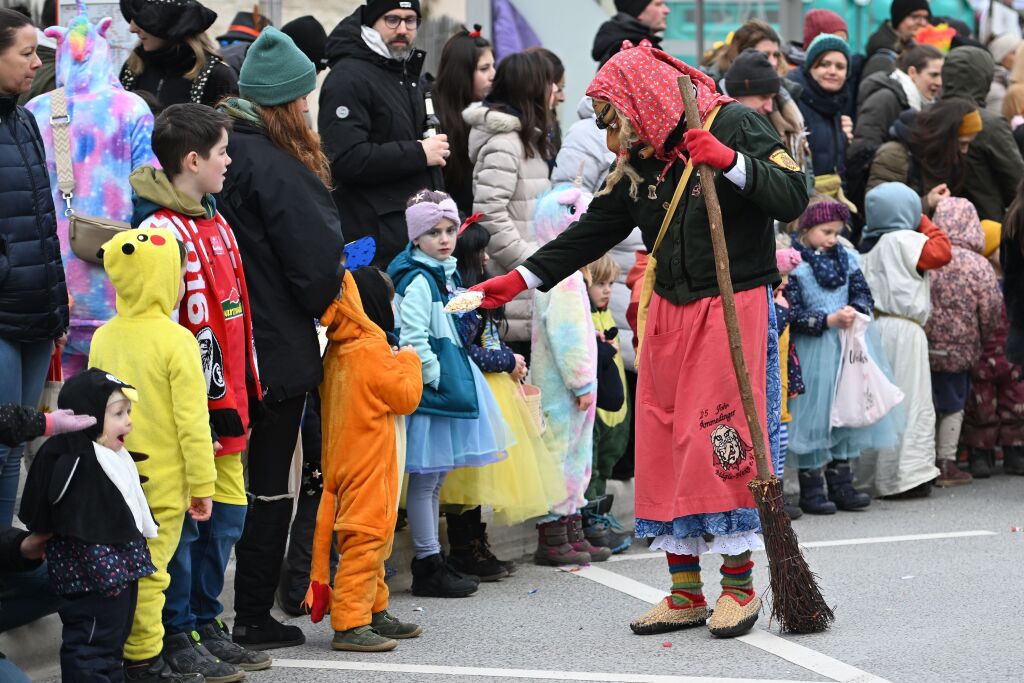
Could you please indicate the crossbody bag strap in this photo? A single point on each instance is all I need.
(681, 188)
(60, 123)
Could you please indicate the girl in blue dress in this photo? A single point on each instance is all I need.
(825, 292)
(458, 422)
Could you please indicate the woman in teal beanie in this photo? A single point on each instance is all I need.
(276, 200)
(822, 102)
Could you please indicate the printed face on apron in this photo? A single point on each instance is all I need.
(730, 453)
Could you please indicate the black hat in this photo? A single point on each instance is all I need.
(901, 9)
(245, 26)
(87, 393)
(752, 74)
(310, 37)
(632, 7)
(375, 9)
(169, 19)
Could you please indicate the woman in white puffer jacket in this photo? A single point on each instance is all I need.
(510, 149)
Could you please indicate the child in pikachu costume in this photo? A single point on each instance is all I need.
(366, 383)
(150, 351)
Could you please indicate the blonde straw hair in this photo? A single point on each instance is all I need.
(623, 169)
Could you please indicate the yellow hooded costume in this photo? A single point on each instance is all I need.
(365, 385)
(160, 358)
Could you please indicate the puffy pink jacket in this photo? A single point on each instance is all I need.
(966, 301)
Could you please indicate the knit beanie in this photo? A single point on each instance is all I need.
(375, 9)
(632, 7)
(168, 19)
(819, 21)
(1002, 46)
(825, 211)
(752, 74)
(826, 42)
(901, 9)
(275, 71)
(310, 37)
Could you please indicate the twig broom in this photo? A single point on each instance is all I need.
(796, 600)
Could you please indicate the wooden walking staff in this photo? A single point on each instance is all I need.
(796, 601)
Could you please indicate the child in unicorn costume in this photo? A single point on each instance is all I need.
(564, 366)
(110, 136)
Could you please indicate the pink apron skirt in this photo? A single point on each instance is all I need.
(693, 452)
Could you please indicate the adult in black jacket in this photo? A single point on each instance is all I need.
(906, 17)
(636, 20)
(276, 200)
(33, 296)
(175, 61)
(372, 119)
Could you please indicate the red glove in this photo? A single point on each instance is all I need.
(318, 601)
(704, 148)
(498, 291)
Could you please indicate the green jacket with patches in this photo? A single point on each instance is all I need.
(686, 264)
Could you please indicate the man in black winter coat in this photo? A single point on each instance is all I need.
(635, 21)
(372, 121)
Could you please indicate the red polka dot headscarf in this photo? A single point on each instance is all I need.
(640, 81)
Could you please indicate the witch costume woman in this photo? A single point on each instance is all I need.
(89, 497)
(693, 448)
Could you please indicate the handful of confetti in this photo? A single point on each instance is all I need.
(464, 302)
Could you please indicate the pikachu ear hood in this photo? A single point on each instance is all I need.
(145, 268)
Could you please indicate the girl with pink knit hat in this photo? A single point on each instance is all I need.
(826, 292)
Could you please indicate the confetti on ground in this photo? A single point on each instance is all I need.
(666, 644)
(908, 577)
(417, 609)
(533, 591)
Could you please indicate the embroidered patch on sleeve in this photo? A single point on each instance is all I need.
(780, 158)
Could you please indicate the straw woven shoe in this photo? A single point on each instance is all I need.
(731, 619)
(662, 619)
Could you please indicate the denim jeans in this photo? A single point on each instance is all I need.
(25, 597)
(24, 372)
(197, 568)
(9, 673)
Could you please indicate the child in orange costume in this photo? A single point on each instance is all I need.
(366, 383)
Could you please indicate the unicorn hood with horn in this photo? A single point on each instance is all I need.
(109, 134)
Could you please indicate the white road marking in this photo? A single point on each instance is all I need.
(780, 647)
(632, 557)
(533, 674)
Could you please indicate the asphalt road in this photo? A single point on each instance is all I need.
(942, 604)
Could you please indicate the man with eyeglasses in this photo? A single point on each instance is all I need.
(372, 121)
(907, 17)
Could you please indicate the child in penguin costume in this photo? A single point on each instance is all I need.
(85, 490)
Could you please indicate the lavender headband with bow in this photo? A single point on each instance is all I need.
(423, 217)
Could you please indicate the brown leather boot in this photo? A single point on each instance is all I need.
(580, 543)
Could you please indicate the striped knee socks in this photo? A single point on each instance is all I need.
(737, 579)
(687, 588)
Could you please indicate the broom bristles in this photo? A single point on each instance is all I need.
(796, 602)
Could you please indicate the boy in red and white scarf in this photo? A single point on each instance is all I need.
(191, 143)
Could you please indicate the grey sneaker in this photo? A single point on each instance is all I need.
(185, 655)
(214, 637)
(362, 639)
(390, 627)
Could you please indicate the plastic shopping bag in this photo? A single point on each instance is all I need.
(864, 395)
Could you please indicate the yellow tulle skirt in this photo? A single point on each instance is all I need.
(522, 486)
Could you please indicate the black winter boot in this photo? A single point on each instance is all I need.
(485, 546)
(981, 462)
(1013, 460)
(466, 553)
(839, 475)
(155, 670)
(792, 510)
(813, 500)
(433, 578)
